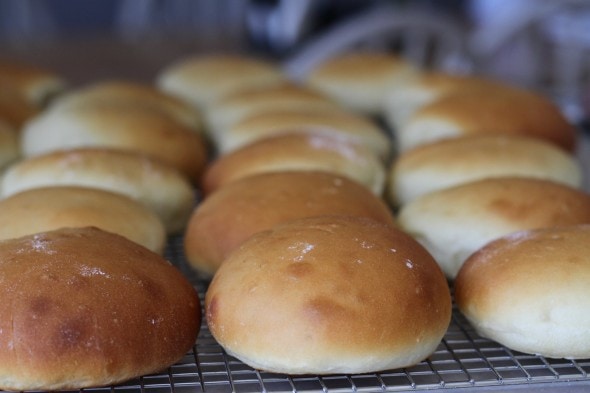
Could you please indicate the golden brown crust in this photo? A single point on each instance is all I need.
(234, 212)
(455, 222)
(357, 128)
(506, 110)
(455, 161)
(33, 84)
(158, 186)
(442, 83)
(296, 152)
(84, 307)
(361, 67)
(529, 291)
(124, 127)
(329, 295)
(48, 208)
(425, 87)
(15, 110)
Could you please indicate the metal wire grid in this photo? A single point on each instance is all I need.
(462, 360)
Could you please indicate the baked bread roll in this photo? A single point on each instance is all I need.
(35, 85)
(48, 208)
(357, 128)
(426, 87)
(510, 111)
(297, 152)
(455, 161)
(256, 203)
(360, 81)
(236, 106)
(117, 126)
(327, 295)
(160, 187)
(120, 92)
(84, 307)
(529, 291)
(455, 222)
(201, 80)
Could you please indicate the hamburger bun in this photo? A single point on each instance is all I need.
(298, 152)
(360, 81)
(426, 87)
(227, 217)
(529, 291)
(455, 222)
(124, 127)
(120, 92)
(508, 110)
(202, 80)
(236, 106)
(357, 128)
(455, 161)
(48, 208)
(327, 295)
(160, 187)
(84, 307)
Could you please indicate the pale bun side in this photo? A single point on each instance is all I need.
(455, 222)
(507, 110)
(328, 295)
(455, 161)
(48, 208)
(35, 85)
(159, 186)
(121, 127)
(238, 105)
(358, 128)
(529, 291)
(122, 92)
(425, 87)
(298, 152)
(360, 81)
(202, 80)
(85, 307)
(227, 217)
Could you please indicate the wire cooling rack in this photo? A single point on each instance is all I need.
(462, 362)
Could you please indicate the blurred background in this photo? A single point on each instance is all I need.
(541, 44)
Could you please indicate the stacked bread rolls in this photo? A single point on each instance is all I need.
(486, 179)
(87, 204)
(472, 147)
(292, 198)
(479, 160)
(311, 271)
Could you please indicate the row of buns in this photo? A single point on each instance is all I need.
(477, 161)
(485, 178)
(88, 198)
(311, 270)
(125, 158)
